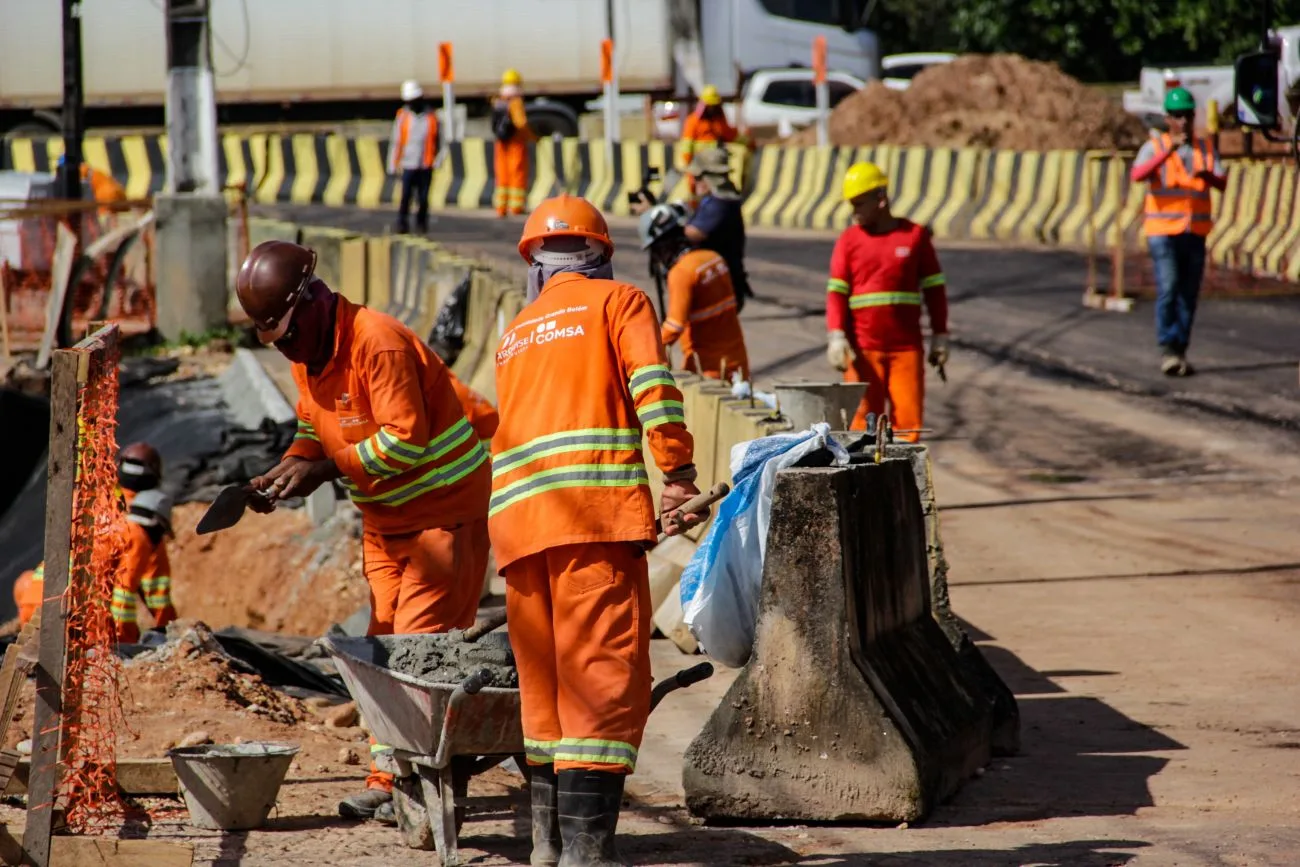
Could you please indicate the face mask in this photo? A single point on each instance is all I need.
(539, 275)
(310, 338)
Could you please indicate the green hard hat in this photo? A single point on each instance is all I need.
(1179, 99)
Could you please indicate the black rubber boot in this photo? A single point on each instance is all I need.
(589, 803)
(363, 804)
(546, 824)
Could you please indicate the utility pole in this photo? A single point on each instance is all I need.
(74, 120)
(191, 101)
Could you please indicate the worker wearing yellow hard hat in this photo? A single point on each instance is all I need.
(510, 153)
(883, 269)
(707, 126)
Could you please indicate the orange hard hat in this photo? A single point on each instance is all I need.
(270, 284)
(564, 216)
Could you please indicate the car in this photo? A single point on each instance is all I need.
(898, 70)
(784, 98)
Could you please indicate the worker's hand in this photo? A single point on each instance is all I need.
(674, 495)
(295, 477)
(938, 350)
(839, 354)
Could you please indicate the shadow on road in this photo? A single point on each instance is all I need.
(1079, 853)
(1128, 576)
(1039, 501)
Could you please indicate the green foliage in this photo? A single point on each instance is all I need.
(1094, 40)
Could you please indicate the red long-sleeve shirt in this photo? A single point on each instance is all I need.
(878, 283)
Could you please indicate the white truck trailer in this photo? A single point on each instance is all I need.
(332, 60)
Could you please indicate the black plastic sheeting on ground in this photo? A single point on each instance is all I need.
(24, 436)
(239, 455)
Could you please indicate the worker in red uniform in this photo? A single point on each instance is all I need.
(581, 377)
(707, 127)
(377, 411)
(145, 571)
(510, 153)
(412, 154)
(702, 312)
(882, 269)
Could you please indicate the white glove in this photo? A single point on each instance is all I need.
(838, 352)
(938, 350)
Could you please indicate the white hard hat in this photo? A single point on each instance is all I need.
(411, 90)
(151, 508)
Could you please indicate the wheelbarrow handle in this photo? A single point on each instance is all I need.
(469, 686)
(683, 678)
(476, 681)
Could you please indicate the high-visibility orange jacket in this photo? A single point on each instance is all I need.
(580, 374)
(702, 314)
(103, 186)
(385, 410)
(402, 134)
(478, 409)
(518, 116)
(1177, 201)
(698, 129)
(29, 593)
(145, 572)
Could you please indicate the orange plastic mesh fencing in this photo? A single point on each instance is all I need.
(92, 708)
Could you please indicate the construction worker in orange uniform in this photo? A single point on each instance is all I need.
(1180, 169)
(103, 187)
(701, 301)
(510, 154)
(413, 154)
(706, 126)
(377, 411)
(29, 593)
(145, 571)
(581, 375)
(882, 269)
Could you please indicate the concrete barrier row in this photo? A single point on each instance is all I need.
(1066, 198)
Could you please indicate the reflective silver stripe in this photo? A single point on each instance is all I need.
(372, 463)
(611, 439)
(439, 477)
(714, 310)
(662, 412)
(394, 448)
(576, 476)
(674, 325)
(597, 751)
(648, 377)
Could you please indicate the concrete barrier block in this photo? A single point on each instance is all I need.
(354, 274)
(261, 229)
(853, 706)
(328, 244)
(379, 271)
(667, 560)
(670, 620)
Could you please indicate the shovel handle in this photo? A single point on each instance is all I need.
(694, 505)
(484, 626)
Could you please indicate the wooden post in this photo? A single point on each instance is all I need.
(71, 369)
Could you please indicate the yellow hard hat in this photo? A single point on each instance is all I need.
(709, 96)
(511, 76)
(863, 178)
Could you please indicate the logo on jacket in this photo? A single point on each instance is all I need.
(902, 252)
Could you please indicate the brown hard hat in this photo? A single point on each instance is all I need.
(138, 459)
(271, 283)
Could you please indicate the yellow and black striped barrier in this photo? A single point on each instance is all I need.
(1067, 198)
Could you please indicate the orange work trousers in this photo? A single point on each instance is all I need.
(580, 627)
(510, 171)
(898, 376)
(423, 582)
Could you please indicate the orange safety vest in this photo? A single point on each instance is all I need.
(386, 411)
(702, 314)
(1177, 201)
(581, 377)
(405, 116)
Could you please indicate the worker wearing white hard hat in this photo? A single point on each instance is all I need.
(412, 153)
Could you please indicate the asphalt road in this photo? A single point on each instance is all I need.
(1011, 304)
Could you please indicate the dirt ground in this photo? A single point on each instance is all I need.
(1129, 569)
(995, 101)
(273, 572)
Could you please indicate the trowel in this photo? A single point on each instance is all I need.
(226, 509)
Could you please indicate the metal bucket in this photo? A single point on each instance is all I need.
(231, 787)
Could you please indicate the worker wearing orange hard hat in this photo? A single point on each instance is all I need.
(707, 126)
(883, 270)
(581, 379)
(378, 412)
(510, 153)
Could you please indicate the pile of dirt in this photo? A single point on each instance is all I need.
(275, 572)
(449, 659)
(994, 101)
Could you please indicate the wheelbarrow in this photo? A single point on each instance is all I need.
(442, 734)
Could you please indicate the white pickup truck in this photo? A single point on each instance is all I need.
(1210, 83)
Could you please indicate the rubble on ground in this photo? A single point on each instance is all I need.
(993, 101)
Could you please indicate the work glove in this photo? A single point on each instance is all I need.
(838, 352)
(938, 350)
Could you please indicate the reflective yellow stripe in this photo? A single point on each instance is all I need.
(661, 412)
(594, 439)
(840, 287)
(884, 299)
(575, 476)
(441, 476)
(123, 605)
(648, 377)
(932, 280)
(306, 432)
(596, 751)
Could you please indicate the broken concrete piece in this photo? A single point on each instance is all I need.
(854, 705)
(194, 739)
(344, 716)
(445, 658)
(349, 756)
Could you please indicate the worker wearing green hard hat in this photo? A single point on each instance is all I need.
(1180, 169)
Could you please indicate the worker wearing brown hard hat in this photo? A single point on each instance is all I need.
(381, 413)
